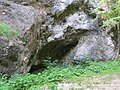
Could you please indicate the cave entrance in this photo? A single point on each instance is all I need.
(55, 50)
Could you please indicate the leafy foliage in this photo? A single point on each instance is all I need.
(48, 62)
(114, 15)
(53, 75)
(8, 32)
(109, 10)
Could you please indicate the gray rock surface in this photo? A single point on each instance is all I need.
(95, 46)
(61, 29)
(15, 56)
(24, 2)
(93, 42)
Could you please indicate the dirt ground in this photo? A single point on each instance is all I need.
(107, 82)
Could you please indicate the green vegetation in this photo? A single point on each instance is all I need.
(8, 32)
(109, 10)
(53, 75)
(74, 73)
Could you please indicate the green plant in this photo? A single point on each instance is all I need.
(53, 75)
(109, 12)
(49, 62)
(8, 32)
(3, 83)
(85, 61)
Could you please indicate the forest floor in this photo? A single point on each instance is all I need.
(91, 75)
(109, 81)
(105, 82)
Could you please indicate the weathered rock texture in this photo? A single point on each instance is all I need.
(61, 29)
(14, 57)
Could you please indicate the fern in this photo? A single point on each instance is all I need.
(112, 21)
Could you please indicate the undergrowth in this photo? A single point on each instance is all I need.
(53, 75)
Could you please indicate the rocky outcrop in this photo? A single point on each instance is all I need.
(61, 29)
(93, 42)
(24, 2)
(94, 46)
(15, 56)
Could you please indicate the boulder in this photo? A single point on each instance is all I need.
(60, 29)
(15, 55)
(93, 46)
(71, 17)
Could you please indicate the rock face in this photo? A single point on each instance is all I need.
(93, 42)
(23, 1)
(61, 29)
(14, 57)
(95, 46)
